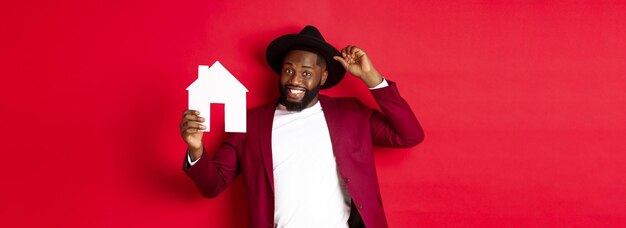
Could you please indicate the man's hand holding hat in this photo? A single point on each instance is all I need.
(357, 63)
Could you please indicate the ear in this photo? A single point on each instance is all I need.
(324, 76)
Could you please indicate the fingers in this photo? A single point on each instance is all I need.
(346, 53)
(191, 111)
(190, 131)
(341, 60)
(193, 125)
(191, 122)
(191, 128)
(352, 54)
(357, 53)
(192, 115)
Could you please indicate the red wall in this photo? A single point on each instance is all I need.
(523, 105)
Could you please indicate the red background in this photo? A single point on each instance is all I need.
(523, 104)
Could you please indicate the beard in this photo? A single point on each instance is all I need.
(309, 95)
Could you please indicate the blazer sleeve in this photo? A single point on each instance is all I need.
(396, 125)
(212, 174)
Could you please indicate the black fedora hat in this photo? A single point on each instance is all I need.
(309, 39)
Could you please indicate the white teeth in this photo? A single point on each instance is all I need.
(295, 91)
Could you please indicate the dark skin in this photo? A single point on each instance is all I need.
(301, 69)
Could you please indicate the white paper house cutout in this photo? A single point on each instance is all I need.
(215, 85)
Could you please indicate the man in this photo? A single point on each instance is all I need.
(308, 159)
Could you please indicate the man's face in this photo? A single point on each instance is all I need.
(301, 77)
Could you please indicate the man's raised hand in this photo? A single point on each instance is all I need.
(357, 63)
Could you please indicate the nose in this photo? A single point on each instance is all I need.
(295, 79)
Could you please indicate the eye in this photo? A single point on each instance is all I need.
(306, 74)
(288, 71)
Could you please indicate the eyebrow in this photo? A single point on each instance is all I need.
(289, 63)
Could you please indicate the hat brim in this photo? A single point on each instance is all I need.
(278, 49)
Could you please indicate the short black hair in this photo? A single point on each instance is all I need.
(320, 61)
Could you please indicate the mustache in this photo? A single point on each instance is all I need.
(295, 86)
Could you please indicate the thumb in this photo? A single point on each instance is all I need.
(366, 63)
(342, 61)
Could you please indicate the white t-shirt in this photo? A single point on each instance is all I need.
(308, 192)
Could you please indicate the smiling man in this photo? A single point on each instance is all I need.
(300, 91)
(308, 159)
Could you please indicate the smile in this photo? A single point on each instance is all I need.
(295, 93)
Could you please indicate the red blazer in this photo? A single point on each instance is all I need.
(354, 129)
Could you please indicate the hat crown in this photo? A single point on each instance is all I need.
(312, 31)
(311, 39)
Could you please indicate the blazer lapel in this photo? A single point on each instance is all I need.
(266, 120)
(331, 114)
